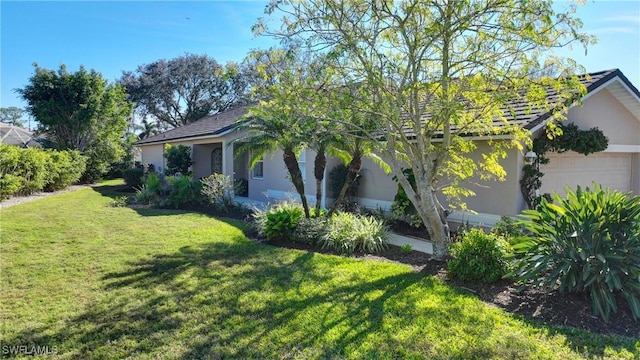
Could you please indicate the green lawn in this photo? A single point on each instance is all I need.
(93, 281)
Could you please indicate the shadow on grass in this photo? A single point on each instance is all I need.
(242, 299)
(214, 298)
(113, 191)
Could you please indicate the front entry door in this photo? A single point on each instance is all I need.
(216, 161)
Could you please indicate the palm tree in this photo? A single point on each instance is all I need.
(149, 128)
(293, 82)
(349, 136)
(269, 128)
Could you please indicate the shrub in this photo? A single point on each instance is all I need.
(24, 171)
(281, 224)
(32, 170)
(120, 201)
(145, 194)
(337, 177)
(99, 158)
(184, 192)
(241, 187)
(9, 185)
(217, 189)
(64, 168)
(588, 242)
(133, 178)
(508, 228)
(347, 233)
(9, 162)
(310, 231)
(153, 190)
(479, 257)
(118, 167)
(156, 183)
(278, 222)
(402, 208)
(178, 160)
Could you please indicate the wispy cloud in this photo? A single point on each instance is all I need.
(613, 30)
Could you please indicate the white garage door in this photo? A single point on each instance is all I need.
(611, 170)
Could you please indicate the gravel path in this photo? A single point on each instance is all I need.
(40, 195)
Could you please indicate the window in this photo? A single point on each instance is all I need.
(258, 170)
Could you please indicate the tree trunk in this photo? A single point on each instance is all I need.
(354, 170)
(424, 200)
(436, 225)
(293, 167)
(319, 165)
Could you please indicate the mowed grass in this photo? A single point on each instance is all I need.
(93, 281)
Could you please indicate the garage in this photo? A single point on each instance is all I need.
(611, 170)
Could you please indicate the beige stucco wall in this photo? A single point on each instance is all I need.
(201, 157)
(275, 180)
(495, 196)
(377, 189)
(604, 111)
(153, 154)
(635, 174)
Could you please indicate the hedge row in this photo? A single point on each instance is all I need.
(25, 171)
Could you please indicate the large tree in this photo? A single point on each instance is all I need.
(179, 91)
(434, 75)
(12, 115)
(81, 111)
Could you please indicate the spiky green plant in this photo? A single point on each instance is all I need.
(588, 242)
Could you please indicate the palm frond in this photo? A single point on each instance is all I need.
(378, 161)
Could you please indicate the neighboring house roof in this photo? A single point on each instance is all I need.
(211, 125)
(530, 119)
(18, 136)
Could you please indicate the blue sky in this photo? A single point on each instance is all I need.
(120, 35)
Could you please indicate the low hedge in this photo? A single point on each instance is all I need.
(25, 171)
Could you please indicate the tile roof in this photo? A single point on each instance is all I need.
(523, 115)
(519, 112)
(210, 125)
(591, 81)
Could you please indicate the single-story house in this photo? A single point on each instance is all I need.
(611, 103)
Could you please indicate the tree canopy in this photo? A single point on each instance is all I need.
(82, 111)
(435, 75)
(179, 91)
(12, 115)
